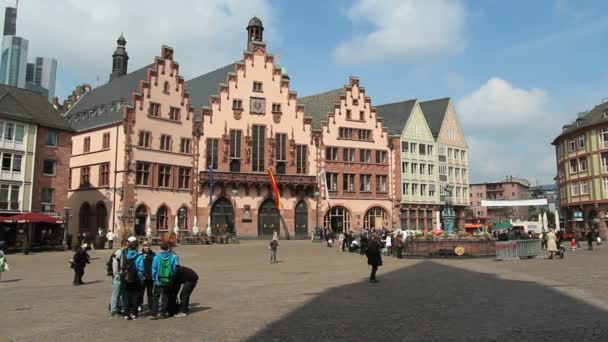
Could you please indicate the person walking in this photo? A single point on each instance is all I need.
(577, 236)
(144, 269)
(130, 280)
(187, 279)
(589, 236)
(544, 240)
(399, 245)
(374, 257)
(389, 244)
(341, 239)
(164, 266)
(110, 236)
(117, 290)
(273, 247)
(78, 263)
(551, 243)
(3, 264)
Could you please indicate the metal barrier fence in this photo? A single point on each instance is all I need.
(518, 249)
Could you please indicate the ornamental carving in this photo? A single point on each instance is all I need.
(257, 106)
(238, 113)
(226, 139)
(271, 144)
(248, 143)
(276, 118)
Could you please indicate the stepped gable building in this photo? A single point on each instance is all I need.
(355, 158)
(452, 152)
(417, 181)
(250, 122)
(581, 152)
(35, 145)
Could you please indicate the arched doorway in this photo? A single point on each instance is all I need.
(84, 218)
(141, 215)
(301, 223)
(269, 219)
(102, 216)
(222, 215)
(182, 218)
(375, 218)
(337, 219)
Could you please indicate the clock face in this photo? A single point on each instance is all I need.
(258, 105)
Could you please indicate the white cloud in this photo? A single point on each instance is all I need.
(82, 34)
(497, 102)
(403, 29)
(509, 132)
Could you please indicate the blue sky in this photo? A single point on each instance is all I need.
(516, 70)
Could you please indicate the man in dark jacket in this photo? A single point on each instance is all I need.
(79, 262)
(144, 268)
(188, 278)
(374, 258)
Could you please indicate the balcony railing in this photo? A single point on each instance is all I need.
(256, 178)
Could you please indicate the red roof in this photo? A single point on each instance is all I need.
(31, 218)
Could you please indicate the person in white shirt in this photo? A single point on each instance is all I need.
(110, 236)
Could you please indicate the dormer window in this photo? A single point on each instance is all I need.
(605, 114)
(276, 108)
(237, 104)
(154, 109)
(166, 88)
(257, 87)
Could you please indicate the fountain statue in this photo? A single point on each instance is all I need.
(448, 214)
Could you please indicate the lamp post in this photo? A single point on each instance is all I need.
(317, 194)
(235, 192)
(66, 226)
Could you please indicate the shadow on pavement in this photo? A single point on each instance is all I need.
(10, 280)
(433, 302)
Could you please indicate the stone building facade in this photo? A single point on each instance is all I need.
(509, 189)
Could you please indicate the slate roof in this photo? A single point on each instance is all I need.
(29, 106)
(434, 112)
(103, 105)
(203, 86)
(318, 105)
(395, 115)
(593, 117)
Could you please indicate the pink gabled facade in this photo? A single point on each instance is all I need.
(509, 189)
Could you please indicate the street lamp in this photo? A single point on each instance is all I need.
(66, 226)
(317, 194)
(235, 192)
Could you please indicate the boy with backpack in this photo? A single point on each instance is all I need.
(164, 266)
(144, 268)
(130, 280)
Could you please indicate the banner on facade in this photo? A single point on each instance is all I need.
(275, 188)
(514, 203)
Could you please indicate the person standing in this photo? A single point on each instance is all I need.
(187, 278)
(551, 243)
(130, 280)
(117, 261)
(589, 236)
(544, 240)
(374, 257)
(577, 236)
(389, 244)
(341, 239)
(164, 266)
(3, 264)
(78, 263)
(273, 248)
(399, 245)
(110, 236)
(144, 268)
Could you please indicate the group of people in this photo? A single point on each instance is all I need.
(158, 276)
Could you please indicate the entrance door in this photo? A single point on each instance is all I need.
(269, 219)
(338, 219)
(301, 224)
(141, 215)
(222, 216)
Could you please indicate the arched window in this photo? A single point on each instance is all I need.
(84, 223)
(376, 218)
(162, 218)
(102, 216)
(141, 216)
(338, 219)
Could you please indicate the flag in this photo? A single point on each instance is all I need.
(210, 170)
(325, 187)
(275, 188)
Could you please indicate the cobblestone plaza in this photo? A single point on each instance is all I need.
(318, 293)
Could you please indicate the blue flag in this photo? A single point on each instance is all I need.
(210, 170)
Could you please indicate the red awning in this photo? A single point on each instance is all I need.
(31, 218)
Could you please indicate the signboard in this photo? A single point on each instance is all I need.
(378, 222)
(577, 216)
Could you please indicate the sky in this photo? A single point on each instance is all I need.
(517, 71)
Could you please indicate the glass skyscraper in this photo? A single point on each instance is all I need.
(13, 61)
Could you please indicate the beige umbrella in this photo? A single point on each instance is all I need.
(545, 221)
(557, 228)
